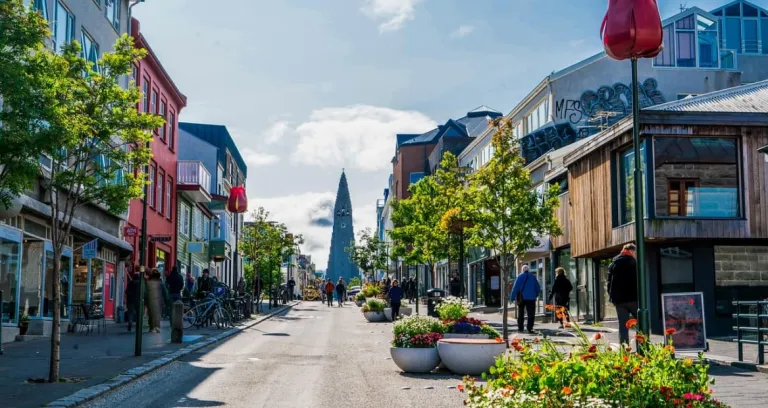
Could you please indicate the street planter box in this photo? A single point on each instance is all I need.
(469, 356)
(374, 317)
(415, 360)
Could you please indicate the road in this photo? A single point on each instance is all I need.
(313, 356)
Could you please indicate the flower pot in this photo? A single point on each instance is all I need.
(415, 360)
(359, 303)
(374, 317)
(479, 336)
(469, 356)
(404, 311)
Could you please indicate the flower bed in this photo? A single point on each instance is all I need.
(373, 310)
(414, 341)
(593, 373)
(470, 327)
(453, 308)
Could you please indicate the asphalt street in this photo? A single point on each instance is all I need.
(313, 356)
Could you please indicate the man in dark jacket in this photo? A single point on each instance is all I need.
(341, 288)
(395, 297)
(291, 288)
(410, 289)
(455, 286)
(132, 291)
(204, 284)
(622, 288)
(175, 284)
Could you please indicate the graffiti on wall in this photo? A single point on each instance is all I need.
(608, 104)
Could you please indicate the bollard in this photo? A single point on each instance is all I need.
(177, 322)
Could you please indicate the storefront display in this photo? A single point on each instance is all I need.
(10, 253)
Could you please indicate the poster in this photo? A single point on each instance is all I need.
(684, 312)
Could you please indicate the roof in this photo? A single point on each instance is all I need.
(219, 136)
(473, 124)
(751, 98)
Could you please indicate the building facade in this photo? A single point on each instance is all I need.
(26, 252)
(230, 171)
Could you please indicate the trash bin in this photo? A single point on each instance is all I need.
(434, 297)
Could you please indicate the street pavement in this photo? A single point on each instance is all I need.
(314, 356)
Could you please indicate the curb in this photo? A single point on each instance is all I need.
(87, 394)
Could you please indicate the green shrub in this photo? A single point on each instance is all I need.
(539, 374)
(374, 305)
(453, 308)
(370, 290)
(360, 297)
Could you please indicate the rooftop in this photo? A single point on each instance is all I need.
(473, 124)
(751, 98)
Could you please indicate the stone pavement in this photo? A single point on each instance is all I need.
(86, 360)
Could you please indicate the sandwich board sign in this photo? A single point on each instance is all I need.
(684, 312)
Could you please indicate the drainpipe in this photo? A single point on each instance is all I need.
(130, 11)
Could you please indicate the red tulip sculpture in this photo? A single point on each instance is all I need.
(632, 29)
(237, 202)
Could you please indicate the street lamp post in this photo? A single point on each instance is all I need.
(142, 261)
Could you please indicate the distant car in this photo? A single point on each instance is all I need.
(353, 291)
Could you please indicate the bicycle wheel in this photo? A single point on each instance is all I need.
(190, 317)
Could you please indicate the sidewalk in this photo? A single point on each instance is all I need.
(86, 360)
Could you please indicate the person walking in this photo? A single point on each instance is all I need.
(328, 289)
(411, 290)
(561, 291)
(155, 301)
(241, 287)
(395, 297)
(525, 291)
(258, 285)
(455, 287)
(622, 288)
(132, 293)
(340, 289)
(175, 284)
(291, 288)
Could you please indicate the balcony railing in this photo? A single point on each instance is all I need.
(193, 173)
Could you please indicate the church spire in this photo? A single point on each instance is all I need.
(339, 263)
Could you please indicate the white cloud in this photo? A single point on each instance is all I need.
(359, 137)
(391, 13)
(258, 159)
(276, 132)
(462, 31)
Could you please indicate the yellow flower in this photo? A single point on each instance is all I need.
(687, 362)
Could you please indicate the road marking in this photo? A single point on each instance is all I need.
(254, 359)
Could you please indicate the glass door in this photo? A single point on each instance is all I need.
(10, 269)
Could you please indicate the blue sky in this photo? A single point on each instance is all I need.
(309, 87)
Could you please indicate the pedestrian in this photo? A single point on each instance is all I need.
(241, 287)
(175, 284)
(525, 291)
(291, 287)
(204, 284)
(190, 284)
(155, 300)
(395, 297)
(258, 285)
(561, 291)
(411, 290)
(622, 288)
(132, 293)
(329, 288)
(455, 286)
(340, 290)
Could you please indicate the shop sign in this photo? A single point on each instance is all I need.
(130, 231)
(161, 238)
(91, 249)
(684, 312)
(195, 247)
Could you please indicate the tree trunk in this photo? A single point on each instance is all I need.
(504, 295)
(53, 370)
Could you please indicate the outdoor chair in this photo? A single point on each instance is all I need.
(93, 315)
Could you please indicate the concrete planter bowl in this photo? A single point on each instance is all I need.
(415, 360)
(404, 311)
(465, 336)
(469, 356)
(374, 317)
(359, 303)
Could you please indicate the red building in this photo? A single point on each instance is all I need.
(159, 96)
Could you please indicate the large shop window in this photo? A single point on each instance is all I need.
(31, 277)
(676, 270)
(696, 177)
(627, 183)
(9, 278)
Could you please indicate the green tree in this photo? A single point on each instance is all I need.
(28, 84)
(369, 253)
(355, 281)
(453, 203)
(509, 215)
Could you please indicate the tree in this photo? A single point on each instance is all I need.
(355, 281)
(369, 253)
(509, 215)
(27, 90)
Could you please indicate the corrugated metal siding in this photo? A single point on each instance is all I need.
(752, 98)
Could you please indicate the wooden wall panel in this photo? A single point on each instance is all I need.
(756, 180)
(563, 214)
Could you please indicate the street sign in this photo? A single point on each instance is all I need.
(161, 238)
(684, 312)
(91, 249)
(130, 231)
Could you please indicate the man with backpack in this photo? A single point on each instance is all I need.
(328, 289)
(622, 288)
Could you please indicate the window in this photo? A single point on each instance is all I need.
(184, 220)
(145, 96)
(206, 228)
(152, 172)
(165, 125)
(686, 42)
(89, 50)
(153, 102)
(696, 177)
(666, 57)
(42, 7)
(415, 177)
(627, 185)
(708, 50)
(171, 129)
(63, 27)
(519, 130)
(538, 117)
(168, 195)
(112, 13)
(676, 270)
(197, 224)
(160, 195)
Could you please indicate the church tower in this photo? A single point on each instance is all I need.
(339, 263)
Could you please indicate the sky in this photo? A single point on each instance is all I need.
(310, 87)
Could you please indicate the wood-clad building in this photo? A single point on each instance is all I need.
(705, 201)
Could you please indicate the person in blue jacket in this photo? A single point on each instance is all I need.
(525, 292)
(395, 297)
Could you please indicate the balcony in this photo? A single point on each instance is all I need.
(194, 181)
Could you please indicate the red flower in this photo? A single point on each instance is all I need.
(592, 348)
(536, 340)
(585, 357)
(630, 323)
(567, 390)
(640, 338)
(549, 307)
(598, 336)
(670, 331)
(536, 368)
(499, 340)
(632, 29)
(460, 387)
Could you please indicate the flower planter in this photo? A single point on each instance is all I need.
(415, 360)
(374, 317)
(404, 311)
(359, 303)
(479, 336)
(469, 356)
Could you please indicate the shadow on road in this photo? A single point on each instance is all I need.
(194, 402)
